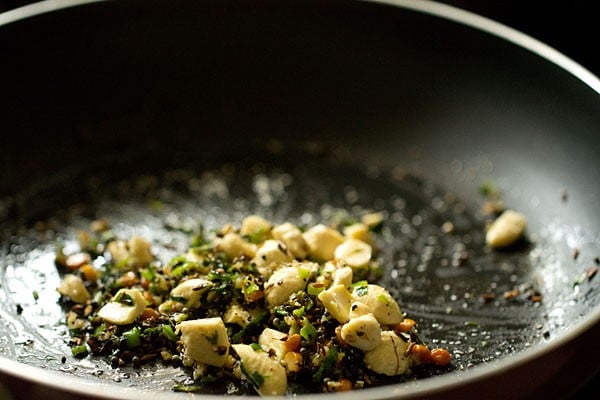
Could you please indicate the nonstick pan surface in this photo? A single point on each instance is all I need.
(146, 113)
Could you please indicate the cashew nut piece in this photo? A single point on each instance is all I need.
(322, 242)
(292, 237)
(134, 253)
(73, 287)
(380, 303)
(283, 283)
(390, 357)
(506, 229)
(254, 225)
(204, 341)
(119, 312)
(258, 363)
(354, 253)
(337, 300)
(191, 290)
(270, 255)
(235, 246)
(362, 332)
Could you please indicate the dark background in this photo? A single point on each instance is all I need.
(571, 27)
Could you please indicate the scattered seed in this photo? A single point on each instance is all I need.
(536, 298)
(564, 196)
(511, 294)
(487, 297)
(136, 362)
(591, 272)
(440, 357)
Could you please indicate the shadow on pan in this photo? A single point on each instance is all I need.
(110, 106)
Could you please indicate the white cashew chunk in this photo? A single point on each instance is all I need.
(506, 229)
(354, 253)
(358, 231)
(255, 226)
(380, 303)
(342, 276)
(322, 242)
(372, 220)
(390, 357)
(284, 282)
(133, 253)
(362, 332)
(72, 286)
(235, 246)
(291, 236)
(191, 290)
(270, 255)
(204, 341)
(126, 306)
(235, 314)
(358, 309)
(337, 300)
(271, 339)
(267, 375)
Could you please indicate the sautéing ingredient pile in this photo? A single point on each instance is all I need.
(271, 306)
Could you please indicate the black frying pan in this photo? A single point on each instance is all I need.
(200, 106)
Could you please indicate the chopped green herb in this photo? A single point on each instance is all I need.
(156, 205)
(188, 388)
(327, 365)
(79, 351)
(488, 189)
(258, 236)
(256, 347)
(304, 273)
(361, 288)
(252, 326)
(181, 266)
(168, 332)
(148, 273)
(308, 331)
(249, 286)
(383, 299)
(314, 289)
(132, 337)
(124, 298)
(214, 338)
(179, 299)
(257, 379)
(299, 312)
(254, 378)
(100, 329)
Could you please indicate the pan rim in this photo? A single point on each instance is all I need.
(64, 382)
